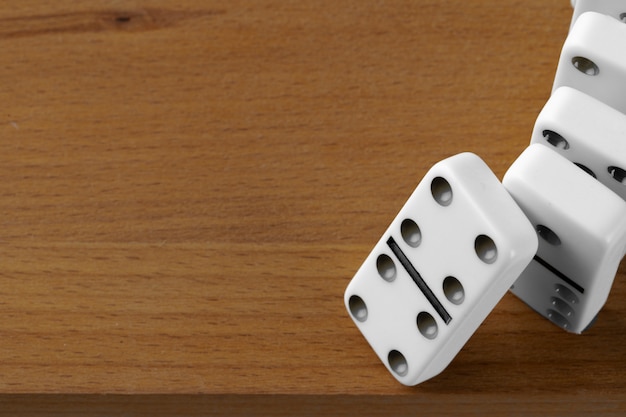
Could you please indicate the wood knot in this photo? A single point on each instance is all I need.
(123, 19)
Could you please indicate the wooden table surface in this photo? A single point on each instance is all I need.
(186, 189)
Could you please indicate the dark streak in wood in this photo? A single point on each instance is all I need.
(108, 20)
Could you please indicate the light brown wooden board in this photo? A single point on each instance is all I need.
(186, 188)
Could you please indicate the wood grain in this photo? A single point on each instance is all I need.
(186, 188)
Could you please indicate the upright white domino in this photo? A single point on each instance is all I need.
(613, 8)
(593, 60)
(582, 225)
(452, 252)
(587, 132)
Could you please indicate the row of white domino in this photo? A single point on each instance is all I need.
(553, 231)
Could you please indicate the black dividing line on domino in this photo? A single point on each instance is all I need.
(419, 281)
(559, 274)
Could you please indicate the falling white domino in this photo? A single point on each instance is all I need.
(587, 132)
(448, 257)
(613, 8)
(582, 229)
(593, 59)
